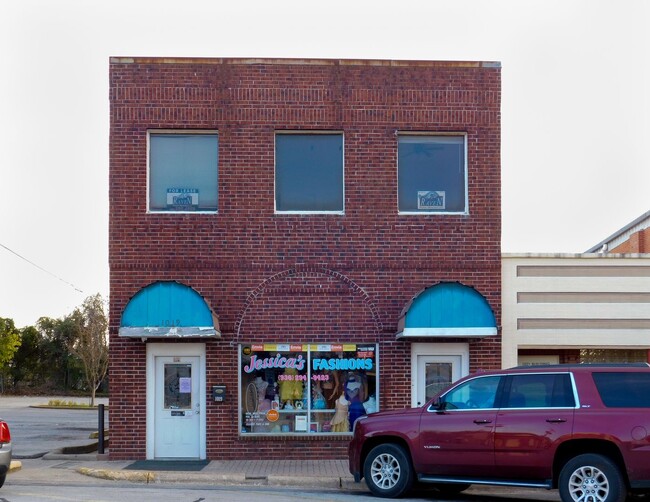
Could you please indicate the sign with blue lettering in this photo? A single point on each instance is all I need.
(432, 199)
(183, 199)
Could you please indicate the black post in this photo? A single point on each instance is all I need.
(100, 439)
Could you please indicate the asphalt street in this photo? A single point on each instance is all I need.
(36, 431)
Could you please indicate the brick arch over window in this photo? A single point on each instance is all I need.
(315, 290)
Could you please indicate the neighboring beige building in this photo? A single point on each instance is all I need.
(560, 308)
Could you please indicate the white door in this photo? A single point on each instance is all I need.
(434, 367)
(177, 408)
(435, 373)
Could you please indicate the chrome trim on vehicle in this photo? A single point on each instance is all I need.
(576, 398)
(477, 481)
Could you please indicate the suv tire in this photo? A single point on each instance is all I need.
(387, 470)
(591, 477)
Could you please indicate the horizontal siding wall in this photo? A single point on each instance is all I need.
(574, 301)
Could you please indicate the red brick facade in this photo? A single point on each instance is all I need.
(286, 277)
(639, 242)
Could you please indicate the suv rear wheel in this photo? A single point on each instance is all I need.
(388, 471)
(591, 478)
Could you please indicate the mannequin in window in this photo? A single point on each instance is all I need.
(355, 392)
(290, 386)
(331, 387)
(340, 422)
(263, 404)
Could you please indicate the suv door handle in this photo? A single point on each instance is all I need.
(555, 420)
(482, 421)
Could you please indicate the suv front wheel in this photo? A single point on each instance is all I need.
(388, 471)
(591, 478)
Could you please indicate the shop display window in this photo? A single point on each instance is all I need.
(306, 388)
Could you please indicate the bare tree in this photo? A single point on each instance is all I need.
(91, 343)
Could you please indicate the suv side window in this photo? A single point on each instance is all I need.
(623, 390)
(539, 390)
(477, 393)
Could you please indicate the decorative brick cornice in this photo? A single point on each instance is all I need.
(307, 271)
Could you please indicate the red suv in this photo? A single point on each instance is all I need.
(583, 429)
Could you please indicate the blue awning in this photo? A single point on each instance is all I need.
(168, 310)
(448, 309)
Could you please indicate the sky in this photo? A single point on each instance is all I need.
(575, 111)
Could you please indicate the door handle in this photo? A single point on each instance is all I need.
(482, 421)
(555, 420)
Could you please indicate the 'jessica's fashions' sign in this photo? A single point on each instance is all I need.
(306, 388)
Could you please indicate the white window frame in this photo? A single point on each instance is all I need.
(155, 132)
(307, 133)
(436, 134)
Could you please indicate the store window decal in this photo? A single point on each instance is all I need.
(306, 388)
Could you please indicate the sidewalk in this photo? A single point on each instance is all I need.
(332, 474)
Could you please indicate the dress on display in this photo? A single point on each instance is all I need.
(355, 392)
(340, 422)
(263, 404)
(290, 386)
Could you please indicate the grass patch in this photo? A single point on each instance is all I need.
(67, 404)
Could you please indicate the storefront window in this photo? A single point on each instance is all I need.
(306, 388)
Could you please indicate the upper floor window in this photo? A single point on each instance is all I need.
(309, 173)
(183, 171)
(432, 174)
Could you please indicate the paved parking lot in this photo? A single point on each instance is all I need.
(35, 431)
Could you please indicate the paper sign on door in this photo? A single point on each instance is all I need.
(185, 385)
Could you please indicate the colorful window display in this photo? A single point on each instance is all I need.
(306, 388)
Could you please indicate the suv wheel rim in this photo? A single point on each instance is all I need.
(588, 484)
(385, 471)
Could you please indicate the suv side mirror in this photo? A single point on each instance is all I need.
(438, 404)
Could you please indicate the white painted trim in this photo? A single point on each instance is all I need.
(174, 349)
(437, 349)
(166, 332)
(448, 332)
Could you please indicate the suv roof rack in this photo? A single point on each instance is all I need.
(585, 365)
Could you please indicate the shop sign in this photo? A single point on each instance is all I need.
(306, 388)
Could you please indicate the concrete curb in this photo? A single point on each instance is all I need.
(330, 482)
(134, 476)
(59, 455)
(203, 478)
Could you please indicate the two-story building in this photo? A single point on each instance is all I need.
(294, 243)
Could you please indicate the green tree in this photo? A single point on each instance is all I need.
(9, 343)
(61, 369)
(90, 343)
(28, 364)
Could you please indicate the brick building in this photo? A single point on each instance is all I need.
(633, 238)
(294, 243)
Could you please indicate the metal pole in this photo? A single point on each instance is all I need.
(100, 438)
